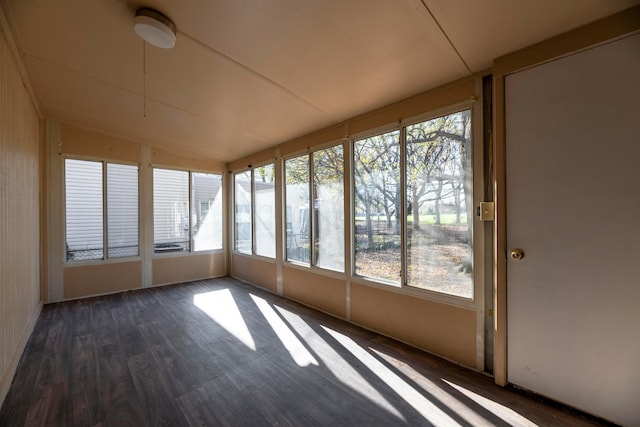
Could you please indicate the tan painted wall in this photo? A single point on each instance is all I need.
(97, 279)
(166, 158)
(438, 328)
(188, 267)
(19, 215)
(83, 142)
(257, 271)
(322, 292)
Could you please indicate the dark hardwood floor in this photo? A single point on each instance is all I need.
(223, 353)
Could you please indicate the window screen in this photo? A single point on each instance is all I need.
(83, 210)
(377, 199)
(328, 208)
(122, 210)
(206, 208)
(264, 188)
(242, 200)
(297, 209)
(170, 210)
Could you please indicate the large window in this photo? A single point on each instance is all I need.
(439, 201)
(321, 222)
(184, 222)
(377, 199)
(85, 222)
(255, 211)
(436, 201)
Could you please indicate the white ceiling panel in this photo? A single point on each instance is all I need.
(343, 56)
(97, 105)
(95, 38)
(193, 79)
(249, 74)
(485, 30)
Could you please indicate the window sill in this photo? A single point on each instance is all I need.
(102, 261)
(178, 254)
(426, 294)
(254, 256)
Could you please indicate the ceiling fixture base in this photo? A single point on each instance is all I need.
(155, 28)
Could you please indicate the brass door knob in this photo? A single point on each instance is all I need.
(517, 254)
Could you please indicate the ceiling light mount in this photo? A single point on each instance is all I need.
(155, 28)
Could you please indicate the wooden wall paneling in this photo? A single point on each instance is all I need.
(84, 280)
(441, 329)
(185, 268)
(257, 271)
(325, 293)
(19, 213)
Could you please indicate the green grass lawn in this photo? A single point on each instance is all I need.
(445, 219)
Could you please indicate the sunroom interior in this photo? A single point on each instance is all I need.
(350, 156)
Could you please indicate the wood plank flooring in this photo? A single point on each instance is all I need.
(223, 353)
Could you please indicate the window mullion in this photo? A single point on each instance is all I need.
(105, 209)
(253, 212)
(403, 206)
(190, 210)
(311, 213)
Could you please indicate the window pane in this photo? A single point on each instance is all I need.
(83, 210)
(242, 199)
(206, 211)
(377, 206)
(122, 210)
(297, 208)
(328, 208)
(170, 210)
(439, 208)
(264, 187)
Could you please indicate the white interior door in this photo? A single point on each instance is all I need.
(573, 207)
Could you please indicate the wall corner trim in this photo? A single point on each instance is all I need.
(6, 29)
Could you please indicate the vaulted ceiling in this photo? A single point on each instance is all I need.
(248, 74)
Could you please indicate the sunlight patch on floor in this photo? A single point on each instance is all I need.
(507, 414)
(222, 308)
(429, 411)
(466, 413)
(339, 367)
(296, 349)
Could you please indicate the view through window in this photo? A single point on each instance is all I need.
(85, 182)
(439, 204)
